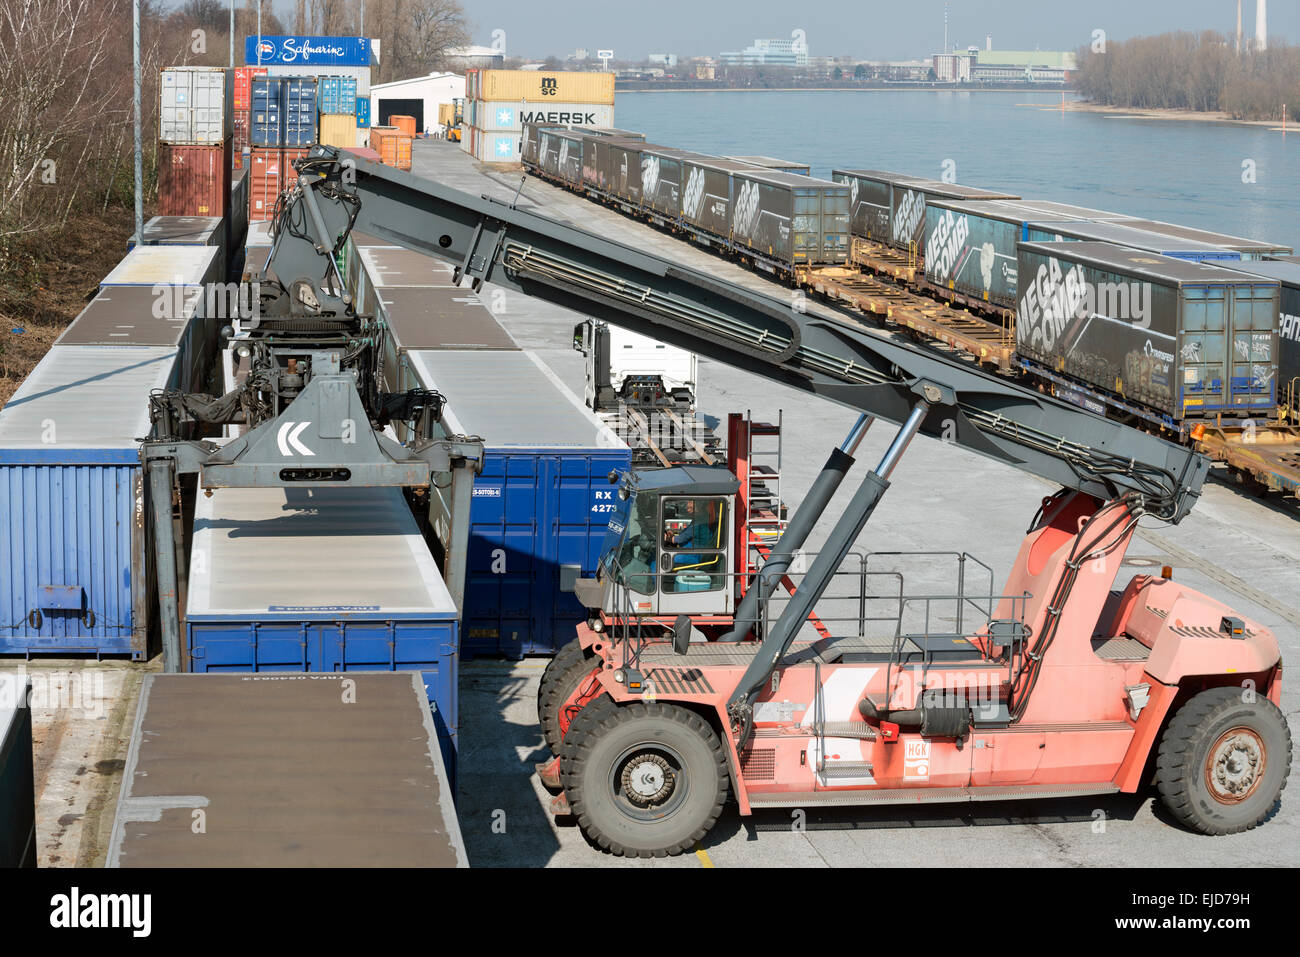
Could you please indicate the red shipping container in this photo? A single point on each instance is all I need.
(194, 180)
(241, 138)
(243, 91)
(270, 172)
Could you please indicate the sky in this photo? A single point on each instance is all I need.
(864, 29)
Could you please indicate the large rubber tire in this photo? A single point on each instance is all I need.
(1208, 768)
(609, 747)
(579, 674)
(560, 662)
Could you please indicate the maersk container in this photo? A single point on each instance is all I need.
(196, 105)
(707, 194)
(542, 501)
(17, 777)
(1125, 234)
(790, 220)
(1183, 339)
(771, 162)
(1250, 249)
(1287, 273)
(423, 317)
(74, 569)
(513, 116)
(319, 580)
(972, 246)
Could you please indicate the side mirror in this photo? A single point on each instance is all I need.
(681, 634)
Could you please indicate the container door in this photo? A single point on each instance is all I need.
(1204, 348)
(1254, 356)
(807, 244)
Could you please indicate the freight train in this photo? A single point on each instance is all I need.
(1191, 332)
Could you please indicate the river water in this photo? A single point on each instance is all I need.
(1240, 180)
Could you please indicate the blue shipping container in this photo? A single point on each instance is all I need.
(307, 51)
(542, 501)
(1122, 234)
(299, 111)
(266, 114)
(363, 112)
(338, 95)
(319, 580)
(73, 559)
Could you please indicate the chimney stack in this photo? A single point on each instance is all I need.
(1261, 24)
(1238, 26)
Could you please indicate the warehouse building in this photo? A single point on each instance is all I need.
(418, 97)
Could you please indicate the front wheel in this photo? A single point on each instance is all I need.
(1223, 761)
(643, 780)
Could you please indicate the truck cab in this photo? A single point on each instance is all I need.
(669, 548)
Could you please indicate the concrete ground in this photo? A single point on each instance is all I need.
(1236, 547)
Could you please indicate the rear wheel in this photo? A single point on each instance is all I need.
(644, 780)
(560, 663)
(1223, 761)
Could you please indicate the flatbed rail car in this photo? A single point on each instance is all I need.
(325, 770)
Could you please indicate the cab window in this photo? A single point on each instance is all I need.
(693, 539)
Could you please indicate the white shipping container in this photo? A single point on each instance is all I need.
(497, 146)
(501, 116)
(196, 105)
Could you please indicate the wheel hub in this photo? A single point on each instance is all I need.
(1235, 766)
(647, 779)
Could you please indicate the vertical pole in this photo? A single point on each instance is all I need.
(232, 34)
(361, 28)
(259, 32)
(164, 539)
(455, 560)
(139, 150)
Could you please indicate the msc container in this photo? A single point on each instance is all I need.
(243, 86)
(338, 95)
(538, 86)
(1125, 234)
(299, 98)
(1250, 249)
(770, 162)
(74, 569)
(392, 145)
(319, 580)
(707, 194)
(196, 103)
(422, 317)
(1287, 273)
(338, 129)
(17, 774)
(542, 501)
(266, 117)
(310, 771)
(194, 180)
(1180, 338)
(790, 220)
(972, 246)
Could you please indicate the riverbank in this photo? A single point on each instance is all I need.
(1195, 116)
(893, 88)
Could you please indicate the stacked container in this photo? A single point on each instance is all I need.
(338, 111)
(300, 98)
(243, 106)
(270, 173)
(195, 141)
(498, 103)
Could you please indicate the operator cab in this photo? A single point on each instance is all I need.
(668, 549)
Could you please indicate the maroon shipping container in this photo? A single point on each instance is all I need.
(270, 171)
(240, 138)
(243, 94)
(194, 180)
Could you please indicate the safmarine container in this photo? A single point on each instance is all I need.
(1126, 234)
(789, 220)
(542, 501)
(17, 774)
(266, 117)
(319, 580)
(299, 96)
(1181, 339)
(194, 180)
(195, 105)
(338, 95)
(1288, 356)
(75, 575)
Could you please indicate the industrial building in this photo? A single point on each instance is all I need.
(792, 51)
(419, 96)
